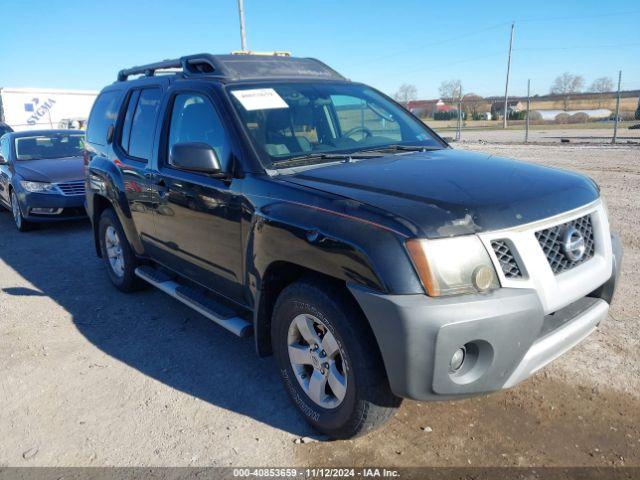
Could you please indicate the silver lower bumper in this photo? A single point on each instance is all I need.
(548, 348)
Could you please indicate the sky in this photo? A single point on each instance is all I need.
(82, 44)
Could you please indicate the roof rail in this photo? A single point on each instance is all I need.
(203, 63)
(238, 66)
(276, 53)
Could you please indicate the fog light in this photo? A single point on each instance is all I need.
(457, 359)
(46, 211)
(482, 278)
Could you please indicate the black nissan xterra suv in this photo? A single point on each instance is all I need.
(279, 199)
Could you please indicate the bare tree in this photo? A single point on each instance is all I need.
(473, 105)
(565, 85)
(451, 90)
(601, 85)
(406, 93)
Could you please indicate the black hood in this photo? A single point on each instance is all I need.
(453, 192)
(53, 170)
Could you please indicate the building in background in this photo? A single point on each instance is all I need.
(430, 108)
(32, 108)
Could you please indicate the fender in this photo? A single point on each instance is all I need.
(343, 247)
(104, 180)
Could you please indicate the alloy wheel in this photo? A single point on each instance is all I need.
(114, 251)
(317, 361)
(15, 209)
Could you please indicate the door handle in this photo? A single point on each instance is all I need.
(162, 188)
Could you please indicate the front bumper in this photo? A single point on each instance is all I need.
(72, 206)
(506, 332)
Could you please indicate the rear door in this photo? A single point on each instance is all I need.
(134, 146)
(197, 215)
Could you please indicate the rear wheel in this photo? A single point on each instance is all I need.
(21, 224)
(117, 254)
(329, 360)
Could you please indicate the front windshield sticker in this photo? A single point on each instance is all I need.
(259, 99)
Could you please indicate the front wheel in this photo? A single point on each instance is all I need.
(329, 360)
(117, 254)
(21, 224)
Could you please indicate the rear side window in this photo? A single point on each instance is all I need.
(103, 114)
(143, 124)
(126, 127)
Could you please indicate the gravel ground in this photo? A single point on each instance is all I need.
(90, 376)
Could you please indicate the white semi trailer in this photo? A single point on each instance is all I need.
(32, 108)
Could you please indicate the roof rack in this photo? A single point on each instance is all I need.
(203, 63)
(237, 66)
(276, 53)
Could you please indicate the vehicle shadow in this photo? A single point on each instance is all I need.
(148, 331)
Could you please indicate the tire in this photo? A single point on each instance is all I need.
(364, 400)
(21, 224)
(121, 268)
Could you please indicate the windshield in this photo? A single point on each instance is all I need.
(42, 147)
(316, 121)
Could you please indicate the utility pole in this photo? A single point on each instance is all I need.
(526, 131)
(243, 36)
(615, 124)
(459, 129)
(506, 87)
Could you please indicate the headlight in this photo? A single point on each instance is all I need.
(39, 187)
(452, 266)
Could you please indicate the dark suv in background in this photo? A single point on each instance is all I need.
(276, 197)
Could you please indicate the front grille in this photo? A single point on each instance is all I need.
(507, 260)
(72, 188)
(551, 240)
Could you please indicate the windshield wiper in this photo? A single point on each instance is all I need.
(405, 148)
(310, 158)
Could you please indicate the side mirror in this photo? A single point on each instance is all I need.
(3, 161)
(195, 157)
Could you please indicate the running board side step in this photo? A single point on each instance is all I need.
(197, 301)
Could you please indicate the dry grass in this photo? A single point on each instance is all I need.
(444, 125)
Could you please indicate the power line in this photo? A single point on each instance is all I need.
(432, 44)
(499, 25)
(577, 17)
(578, 47)
(440, 66)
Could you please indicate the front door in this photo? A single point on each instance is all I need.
(197, 221)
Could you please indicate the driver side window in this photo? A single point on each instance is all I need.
(358, 119)
(195, 120)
